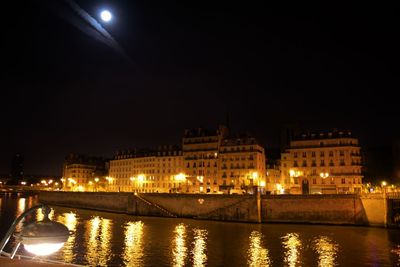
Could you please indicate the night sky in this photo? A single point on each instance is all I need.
(189, 64)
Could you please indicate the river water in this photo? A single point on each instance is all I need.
(107, 239)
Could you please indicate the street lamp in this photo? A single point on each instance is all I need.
(181, 177)
(40, 238)
(324, 175)
(384, 184)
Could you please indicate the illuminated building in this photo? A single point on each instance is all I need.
(200, 154)
(242, 164)
(322, 163)
(147, 171)
(209, 162)
(273, 178)
(82, 173)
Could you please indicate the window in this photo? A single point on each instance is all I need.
(313, 154)
(304, 163)
(314, 181)
(295, 154)
(342, 162)
(341, 153)
(330, 153)
(322, 162)
(295, 163)
(304, 154)
(343, 180)
(322, 154)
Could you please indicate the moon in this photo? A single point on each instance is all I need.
(106, 15)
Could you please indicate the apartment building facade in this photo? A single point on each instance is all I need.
(322, 163)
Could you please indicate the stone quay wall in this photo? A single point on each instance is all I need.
(314, 209)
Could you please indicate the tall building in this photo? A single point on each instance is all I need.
(200, 149)
(17, 169)
(84, 173)
(147, 171)
(242, 164)
(327, 162)
(273, 178)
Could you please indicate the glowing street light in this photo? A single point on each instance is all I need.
(106, 15)
(200, 178)
(40, 238)
(255, 175)
(324, 175)
(384, 183)
(141, 178)
(180, 177)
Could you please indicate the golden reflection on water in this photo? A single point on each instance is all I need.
(292, 244)
(257, 255)
(179, 242)
(98, 234)
(133, 252)
(199, 247)
(21, 206)
(20, 209)
(327, 250)
(70, 221)
(40, 216)
(396, 251)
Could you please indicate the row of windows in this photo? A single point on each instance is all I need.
(322, 163)
(243, 148)
(142, 166)
(135, 172)
(129, 162)
(322, 153)
(314, 172)
(202, 172)
(200, 164)
(237, 158)
(150, 179)
(332, 181)
(242, 166)
(237, 175)
(160, 154)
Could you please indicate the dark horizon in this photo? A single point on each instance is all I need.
(189, 64)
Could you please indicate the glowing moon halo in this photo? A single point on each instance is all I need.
(106, 15)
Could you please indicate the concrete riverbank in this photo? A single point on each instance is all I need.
(315, 209)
